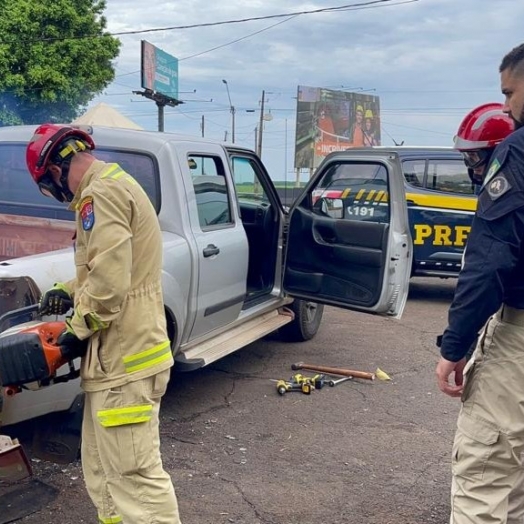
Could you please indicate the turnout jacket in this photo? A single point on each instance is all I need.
(117, 292)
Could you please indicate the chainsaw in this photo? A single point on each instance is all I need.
(29, 355)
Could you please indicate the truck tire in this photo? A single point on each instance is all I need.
(304, 326)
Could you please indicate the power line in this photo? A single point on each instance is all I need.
(245, 37)
(347, 7)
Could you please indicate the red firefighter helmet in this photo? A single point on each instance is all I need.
(483, 127)
(54, 143)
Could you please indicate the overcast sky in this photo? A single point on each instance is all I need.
(429, 61)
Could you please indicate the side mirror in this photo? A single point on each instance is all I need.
(332, 207)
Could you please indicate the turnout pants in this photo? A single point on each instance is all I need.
(121, 454)
(487, 460)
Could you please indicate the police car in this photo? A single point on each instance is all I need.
(439, 193)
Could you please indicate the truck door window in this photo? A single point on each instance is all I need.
(247, 183)
(449, 176)
(209, 183)
(354, 191)
(140, 166)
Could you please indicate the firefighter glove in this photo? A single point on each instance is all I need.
(70, 345)
(56, 301)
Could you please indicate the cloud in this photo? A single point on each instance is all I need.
(429, 62)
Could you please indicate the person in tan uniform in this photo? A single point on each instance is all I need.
(118, 326)
(488, 450)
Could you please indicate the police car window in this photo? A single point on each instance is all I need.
(414, 172)
(449, 176)
(209, 183)
(354, 191)
(19, 195)
(140, 166)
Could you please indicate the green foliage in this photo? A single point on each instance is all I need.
(44, 78)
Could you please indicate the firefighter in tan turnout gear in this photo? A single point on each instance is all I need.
(118, 325)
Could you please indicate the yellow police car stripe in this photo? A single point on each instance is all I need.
(420, 199)
(109, 418)
(444, 202)
(148, 358)
(109, 520)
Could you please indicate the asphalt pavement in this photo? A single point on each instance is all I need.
(374, 452)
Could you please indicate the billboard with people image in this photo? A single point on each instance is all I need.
(329, 120)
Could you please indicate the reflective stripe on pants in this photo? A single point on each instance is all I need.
(121, 463)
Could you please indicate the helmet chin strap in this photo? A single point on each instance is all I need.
(66, 192)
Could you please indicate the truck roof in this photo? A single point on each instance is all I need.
(404, 152)
(116, 137)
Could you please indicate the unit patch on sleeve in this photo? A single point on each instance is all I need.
(498, 186)
(87, 213)
(492, 171)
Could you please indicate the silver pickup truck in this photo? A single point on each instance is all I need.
(237, 266)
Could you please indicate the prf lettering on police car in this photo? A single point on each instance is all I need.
(440, 235)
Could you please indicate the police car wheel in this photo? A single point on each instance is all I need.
(308, 316)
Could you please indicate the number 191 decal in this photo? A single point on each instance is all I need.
(360, 211)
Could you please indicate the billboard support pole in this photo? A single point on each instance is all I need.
(161, 102)
(160, 117)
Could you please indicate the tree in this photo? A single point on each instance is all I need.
(55, 56)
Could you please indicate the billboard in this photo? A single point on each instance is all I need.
(159, 71)
(330, 120)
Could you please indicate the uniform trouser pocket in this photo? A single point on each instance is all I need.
(128, 425)
(474, 444)
(487, 473)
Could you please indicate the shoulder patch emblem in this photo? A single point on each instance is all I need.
(87, 213)
(498, 186)
(492, 171)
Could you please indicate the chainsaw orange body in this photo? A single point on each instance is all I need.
(29, 355)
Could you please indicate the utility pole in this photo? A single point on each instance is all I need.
(202, 126)
(285, 155)
(261, 125)
(232, 110)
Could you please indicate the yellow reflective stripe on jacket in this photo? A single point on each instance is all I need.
(121, 416)
(148, 358)
(109, 520)
(116, 172)
(111, 171)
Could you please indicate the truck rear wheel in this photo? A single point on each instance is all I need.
(304, 326)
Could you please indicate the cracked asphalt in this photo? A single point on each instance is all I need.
(361, 452)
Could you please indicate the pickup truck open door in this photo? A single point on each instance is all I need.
(348, 241)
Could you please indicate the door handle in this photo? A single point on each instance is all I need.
(211, 250)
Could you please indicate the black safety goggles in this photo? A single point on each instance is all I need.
(49, 188)
(476, 158)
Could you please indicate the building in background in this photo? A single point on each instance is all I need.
(329, 120)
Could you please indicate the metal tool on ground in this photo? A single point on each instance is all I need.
(302, 383)
(334, 370)
(333, 383)
(284, 386)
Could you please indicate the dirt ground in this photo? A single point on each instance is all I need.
(361, 452)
